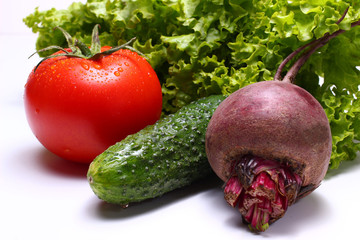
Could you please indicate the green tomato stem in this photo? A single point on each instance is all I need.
(81, 50)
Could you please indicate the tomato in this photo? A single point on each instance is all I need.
(78, 107)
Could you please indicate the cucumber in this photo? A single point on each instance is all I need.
(159, 158)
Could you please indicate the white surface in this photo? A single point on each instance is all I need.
(44, 197)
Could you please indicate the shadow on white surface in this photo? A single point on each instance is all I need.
(107, 211)
(308, 212)
(311, 211)
(314, 213)
(58, 166)
(304, 214)
(345, 167)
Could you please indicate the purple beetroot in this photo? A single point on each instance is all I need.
(270, 142)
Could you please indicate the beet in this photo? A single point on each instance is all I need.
(279, 123)
(274, 120)
(270, 142)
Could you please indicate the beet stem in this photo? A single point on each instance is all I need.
(291, 74)
(277, 76)
(343, 16)
(314, 45)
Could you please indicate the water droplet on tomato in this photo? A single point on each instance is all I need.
(37, 111)
(97, 66)
(85, 66)
(117, 73)
(126, 63)
(120, 69)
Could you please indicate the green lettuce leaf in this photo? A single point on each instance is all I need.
(343, 112)
(204, 47)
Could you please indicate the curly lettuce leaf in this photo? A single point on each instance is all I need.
(343, 112)
(204, 47)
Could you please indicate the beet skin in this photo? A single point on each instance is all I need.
(273, 120)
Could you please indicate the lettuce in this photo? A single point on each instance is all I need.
(204, 47)
(343, 111)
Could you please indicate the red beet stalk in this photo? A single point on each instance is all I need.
(262, 190)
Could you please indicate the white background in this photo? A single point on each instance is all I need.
(45, 197)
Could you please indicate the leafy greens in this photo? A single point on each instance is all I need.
(204, 47)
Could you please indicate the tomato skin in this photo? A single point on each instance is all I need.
(77, 108)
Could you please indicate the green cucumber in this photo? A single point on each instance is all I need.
(159, 158)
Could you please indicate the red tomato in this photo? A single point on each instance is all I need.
(77, 108)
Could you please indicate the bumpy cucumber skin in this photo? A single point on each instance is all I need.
(160, 158)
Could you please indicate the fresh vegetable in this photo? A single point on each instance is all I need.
(159, 158)
(200, 48)
(271, 143)
(80, 101)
